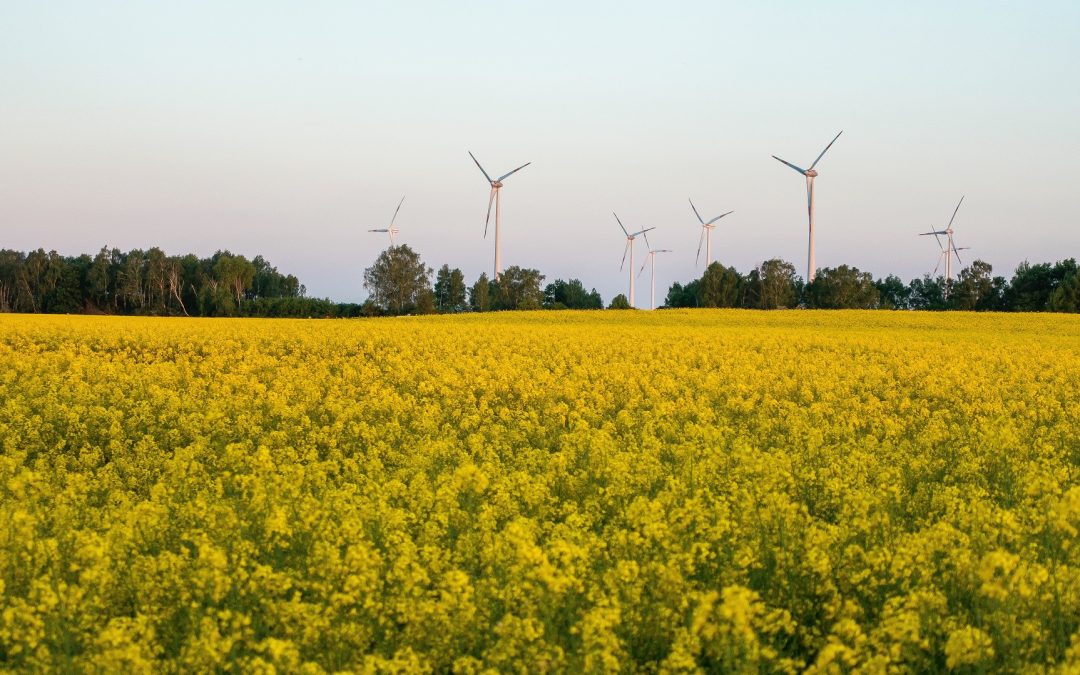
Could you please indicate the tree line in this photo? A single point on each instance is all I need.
(149, 282)
(1042, 287)
(152, 283)
(399, 283)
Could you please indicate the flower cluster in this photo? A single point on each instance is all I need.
(586, 492)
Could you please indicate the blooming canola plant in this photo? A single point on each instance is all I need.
(601, 492)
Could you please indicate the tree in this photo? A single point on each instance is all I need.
(619, 302)
(892, 293)
(11, 263)
(927, 293)
(1032, 285)
(519, 288)
(1066, 297)
(771, 286)
(235, 272)
(842, 287)
(571, 295)
(99, 278)
(480, 294)
(449, 290)
(720, 286)
(683, 296)
(397, 279)
(974, 288)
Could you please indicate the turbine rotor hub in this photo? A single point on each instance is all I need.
(811, 173)
(496, 184)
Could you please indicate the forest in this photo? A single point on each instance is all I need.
(152, 283)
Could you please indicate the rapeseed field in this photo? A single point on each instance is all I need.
(673, 491)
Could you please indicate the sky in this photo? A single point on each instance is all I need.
(289, 129)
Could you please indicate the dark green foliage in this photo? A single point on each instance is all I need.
(480, 294)
(1066, 297)
(927, 293)
(518, 288)
(619, 302)
(772, 285)
(449, 294)
(1033, 285)
(976, 288)
(571, 295)
(842, 287)
(892, 293)
(720, 286)
(399, 281)
(144, 282)
(683, 296)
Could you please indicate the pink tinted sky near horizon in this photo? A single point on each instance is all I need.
(289, 129)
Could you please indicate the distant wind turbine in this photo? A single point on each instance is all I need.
(629, 249)
(810, 174)
(391, 229)
(949, 249)
(706, 234)
(496, 186)
(652, 262)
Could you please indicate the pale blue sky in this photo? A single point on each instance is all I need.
(290, 128)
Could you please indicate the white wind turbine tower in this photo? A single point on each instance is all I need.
(629, 248)
(706, 234)
(949, 249)
(391, 229)
(652, 274)
(496, 186)
(810, 174)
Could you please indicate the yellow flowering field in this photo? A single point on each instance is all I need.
(675, 491)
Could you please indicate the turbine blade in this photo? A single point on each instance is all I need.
(487, 220)
(620, 223)
(956, 252)
(379, 230)
(396, 210)
(803, 172)
(696, 211)
(954, 212)
(644, 264)
(647, 244)
(507, 175)
(647, 229)
(936, 237)
(663, 250)
(701, 240)
(480, 167)
(719, 217)
(624, 252)
(825, 150)
(937, 265)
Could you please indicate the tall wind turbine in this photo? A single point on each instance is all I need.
(810, 174)
(652, 274)
(706, 234)
(496, 186)
(629, 248)
(949, 249)
(391, 229)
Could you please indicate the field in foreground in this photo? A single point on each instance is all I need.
(607, 491)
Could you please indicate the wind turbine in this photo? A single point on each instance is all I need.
(949, 250)
(496, 186)
(629, 248)
(706, 234)
(810, 174)
(652, 273)
(391, 229)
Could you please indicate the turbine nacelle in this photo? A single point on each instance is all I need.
(810, 173)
